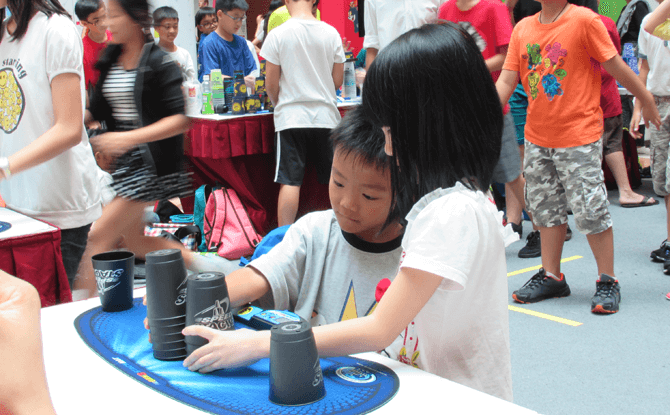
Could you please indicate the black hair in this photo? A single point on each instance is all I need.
(355, 135)
(202, 13)
(228, 5)
(23, 11)
(525, 8)
(138, 10)
(163, 13)
(589, 4)
(431, 87)
(84, 8)
(274, 5)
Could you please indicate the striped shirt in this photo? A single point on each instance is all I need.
(118, 90)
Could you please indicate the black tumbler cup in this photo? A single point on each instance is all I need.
(207, 304)
(166, 303)
(114, 274)
(295, 371)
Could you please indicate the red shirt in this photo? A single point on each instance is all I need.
(488, 22)
(610, 101)
(92, 52)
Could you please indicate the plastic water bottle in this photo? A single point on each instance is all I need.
(349, 81)
(206, 89)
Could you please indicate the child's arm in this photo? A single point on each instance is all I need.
(637, 111)
(246, 285)
(338, 75)
(495, 63)
(272, 74)
(506, 84)
(406, 296)
(658, 16)
(627, 78)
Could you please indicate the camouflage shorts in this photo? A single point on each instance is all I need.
(562, 178)
(660, 143)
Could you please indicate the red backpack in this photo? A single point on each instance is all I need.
(228, 228)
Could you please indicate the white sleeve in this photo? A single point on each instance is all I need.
(189, 69)
(371, 39)
(444, 240)
(256, 72)
(270, 50)
(284, 268)
(64, 51)
(642, 40)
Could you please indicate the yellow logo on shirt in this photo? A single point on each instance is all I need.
(12, 101)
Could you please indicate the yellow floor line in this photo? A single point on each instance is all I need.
(545, 316)
(535, 268)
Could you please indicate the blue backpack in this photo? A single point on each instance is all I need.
(268, 242)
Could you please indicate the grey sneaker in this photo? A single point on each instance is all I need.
(607, 297)
(533, 248)
(541, 287)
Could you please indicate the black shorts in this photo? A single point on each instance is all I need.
(297, 145)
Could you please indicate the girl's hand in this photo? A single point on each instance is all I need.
(112, 144)
(634, 127)
(651, 115)
(226, 349)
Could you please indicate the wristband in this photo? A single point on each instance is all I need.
(4, 166)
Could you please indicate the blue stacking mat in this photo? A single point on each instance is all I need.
(353, 386)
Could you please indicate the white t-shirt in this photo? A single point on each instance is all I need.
(657, 54)
(462, 333)
(323, 275)
(183, 59)
(385, 20)
(65, 190)
(256, 72)
(306, 50)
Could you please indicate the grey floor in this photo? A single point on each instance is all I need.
(612, 364)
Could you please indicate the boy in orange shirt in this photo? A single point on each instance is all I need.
(557, 53)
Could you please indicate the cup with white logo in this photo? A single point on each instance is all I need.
(114, 273)
(207, 304)
(166, 302)
(295, 371)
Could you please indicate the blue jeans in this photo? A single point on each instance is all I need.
(72, 246)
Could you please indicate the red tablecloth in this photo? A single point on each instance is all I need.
(239, 152)
(37, 259)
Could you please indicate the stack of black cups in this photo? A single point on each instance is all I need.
(166, 303)
(207, 304)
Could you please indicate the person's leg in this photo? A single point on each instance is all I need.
(72, 246)
(660, 171)
(552, 239)
(602, 246)
(613, 150)
(287, 206)
(514, 200)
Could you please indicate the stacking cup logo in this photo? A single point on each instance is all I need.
(181, 293)
(107, 279)
(221, 319)
(318, 374)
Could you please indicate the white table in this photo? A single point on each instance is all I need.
(83, 383)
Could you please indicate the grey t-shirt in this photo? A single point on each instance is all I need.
(324, 275)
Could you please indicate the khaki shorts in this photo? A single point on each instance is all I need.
(562, 178)
(660, 142)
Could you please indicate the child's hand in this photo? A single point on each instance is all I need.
(346, 45)
(250, 81)
(226, 349)
(634, 127)
(111, 144)
(259, 19)
(651, 115)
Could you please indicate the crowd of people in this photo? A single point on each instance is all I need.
(458, 95)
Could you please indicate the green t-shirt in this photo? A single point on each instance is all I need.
(281, 15)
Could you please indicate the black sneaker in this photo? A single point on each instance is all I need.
(517, 228)
(607, 297)
(533, 247)
(540, 287)
(568, 234)
(661, 254)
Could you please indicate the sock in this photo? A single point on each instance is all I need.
(549, 274)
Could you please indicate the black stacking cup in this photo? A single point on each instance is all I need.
(295, 371)
(207, 304)
(166, 303)
(114, 273)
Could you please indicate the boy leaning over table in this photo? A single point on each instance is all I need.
(329, 264)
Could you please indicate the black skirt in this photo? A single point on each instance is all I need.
(134, 179)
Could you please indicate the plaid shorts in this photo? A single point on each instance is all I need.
(562, 178)
(660, 143)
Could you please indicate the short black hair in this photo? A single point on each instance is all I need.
(163, 13)
(202, 13)
(84, 8)
(228, 5)
(356, 135)
(431, 87)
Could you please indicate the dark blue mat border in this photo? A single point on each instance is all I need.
(83, 325)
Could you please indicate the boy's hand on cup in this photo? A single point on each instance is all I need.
(250, 81)
(226, 349)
